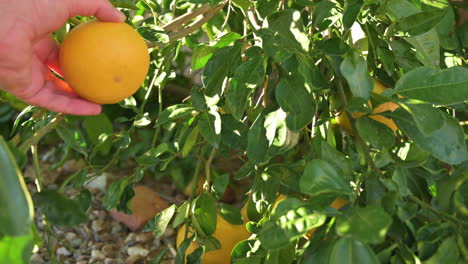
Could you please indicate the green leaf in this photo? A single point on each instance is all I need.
(73, 136)
(60, 210)
(231, 214)
(333, 46)
(210, 128)
(349, 251)
(220, 66)
(16, 249)
(16, 208)
(182, 212)
(321, 11)
(354, 69)
(376, 133)
(427, 48)
(248, 76)
(295, 221)
(190, 142)
(153, 33)
(294, 98)
(161, 221)
(174, 112)
(201, 55)
(114, 192)
(427, 118)
(160, 256)
(444, 87)
(204, 214)
(447, 252)
(220, 183)
(335, 158)
(320, 177)
(283, 35)
(257, 146)
(127, 4)
(233, 133)
(446, 30)
(351, 12)
(97, 125)
(368, 225)
(419, 23)
(446, 144)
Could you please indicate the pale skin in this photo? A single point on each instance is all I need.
(28, 51)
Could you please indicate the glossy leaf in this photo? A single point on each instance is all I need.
(446, 144)
(368, 225)
(351, 11)
(210, 128)
(174, 112)
(257, 146)
(354, 69)
(427, 84)
(16, 208)
(161, 221)
(350, 251)
(320, 177)
(376, 133)
(97, 125)
(60, 210)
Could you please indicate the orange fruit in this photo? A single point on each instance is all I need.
(345, 123)
(227, 234)
(104, 62)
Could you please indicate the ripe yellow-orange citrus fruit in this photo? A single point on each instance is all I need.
(228, 236)
(104, 62)
(344, 121)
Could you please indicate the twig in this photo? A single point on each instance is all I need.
(208, 169)
(437, 212)
(178, 21)
(253, 18)
(196, 25)
(41, 133)
(37, 169)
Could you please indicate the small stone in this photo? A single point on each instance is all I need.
(134, 259)
(77, 254)
(108, 250)
(69, 236)
(97, 225)
(36, 259)
(137, 251)
(106, 237)
(97, 255)
(82, 262)
(96, 246)
(145, 205)
(144, 237)
(61, 251)
(116, 228)
(131, 237)
(110, 261)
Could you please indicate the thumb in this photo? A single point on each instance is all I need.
(102, 9)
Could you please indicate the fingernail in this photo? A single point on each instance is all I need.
(122, 16)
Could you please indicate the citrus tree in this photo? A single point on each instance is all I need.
(342, 124)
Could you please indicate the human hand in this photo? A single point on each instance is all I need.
(28, 51)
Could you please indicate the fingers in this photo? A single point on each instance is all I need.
(47, 50)
(50, 97)
(48, 93)
(102, 9)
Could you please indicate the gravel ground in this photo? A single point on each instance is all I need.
(102, 239)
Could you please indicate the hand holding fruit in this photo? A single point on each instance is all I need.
(28, 50)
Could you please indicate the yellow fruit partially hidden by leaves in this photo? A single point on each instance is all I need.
(379, 88)
(104, 62)
(228, 236)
